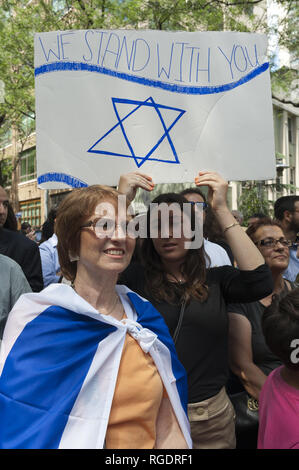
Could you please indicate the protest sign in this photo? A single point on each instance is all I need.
(165, 103)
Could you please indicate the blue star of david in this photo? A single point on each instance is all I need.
(140, 160)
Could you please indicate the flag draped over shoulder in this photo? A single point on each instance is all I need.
(59, 363)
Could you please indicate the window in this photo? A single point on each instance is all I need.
(28, 125)
(57, 198)
(291, 130)
(31, 212)
(292, 179)
(28, 165)
(5, 138)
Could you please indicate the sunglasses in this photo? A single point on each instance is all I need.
(104, 227)
(272, 242)
(202, 204)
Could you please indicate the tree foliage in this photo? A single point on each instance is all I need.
(5, 172)
(20, 19)
(253, 200)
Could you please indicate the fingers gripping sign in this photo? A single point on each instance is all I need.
(130, 182)
(217, 193)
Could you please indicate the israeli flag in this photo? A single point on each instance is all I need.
(59, 364)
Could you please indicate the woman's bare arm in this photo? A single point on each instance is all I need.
(246, 254)
(169, 434)
(240, 355)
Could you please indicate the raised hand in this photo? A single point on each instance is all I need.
(217, 193)
(130, 182)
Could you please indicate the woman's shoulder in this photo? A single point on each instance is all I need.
(248, 309)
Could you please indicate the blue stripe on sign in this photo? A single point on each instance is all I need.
(43, 375)
(150, 318)
(61, 178)
(185, 89)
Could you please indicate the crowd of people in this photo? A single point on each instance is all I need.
(119, 340)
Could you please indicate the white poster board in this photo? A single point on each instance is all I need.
(168, 104)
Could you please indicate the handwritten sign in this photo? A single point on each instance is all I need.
(166, 103)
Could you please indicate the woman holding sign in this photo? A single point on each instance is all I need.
(91, 365)
(193, 299)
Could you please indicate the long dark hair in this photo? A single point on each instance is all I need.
(11, 221)
(48, 225)
(280, 323)
(193, 267)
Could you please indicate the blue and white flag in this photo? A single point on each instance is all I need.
(59, 365)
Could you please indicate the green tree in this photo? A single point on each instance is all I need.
(253, 199)
(5, 172)
(20, 19)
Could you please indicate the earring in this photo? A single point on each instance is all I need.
(73, 258)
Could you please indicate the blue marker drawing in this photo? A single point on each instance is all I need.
(61, 178)
(173, 88)
(136, 106)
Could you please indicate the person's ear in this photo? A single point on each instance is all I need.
(288, 216)
(73, 257)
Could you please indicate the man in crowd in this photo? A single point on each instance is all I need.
(22, 250)
(286, 211)
(256, 217)
(13, 283)
(216, 255)
(28, 231)
(238, 216)
(48, 251)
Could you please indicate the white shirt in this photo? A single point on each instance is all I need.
(217, 255)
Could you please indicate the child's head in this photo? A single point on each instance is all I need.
(281, 328)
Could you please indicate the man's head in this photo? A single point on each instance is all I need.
(255, 218)
(196, 196)
(286, 210)
(25, 228)
(3, 206)
(238, 216)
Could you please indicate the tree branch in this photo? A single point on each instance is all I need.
(20, 111)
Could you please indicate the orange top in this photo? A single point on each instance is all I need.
(136, 402)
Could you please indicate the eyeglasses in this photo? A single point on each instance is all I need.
(272, 242)
(106, 227)
(202, 204)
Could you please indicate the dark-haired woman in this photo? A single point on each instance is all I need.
(192, 298)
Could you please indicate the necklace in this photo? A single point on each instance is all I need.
(113, 306)
(108, 311)
(178, 280)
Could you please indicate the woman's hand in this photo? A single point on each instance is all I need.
(217, 194)
(130, 182)
(246, 254)
(31, 235)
